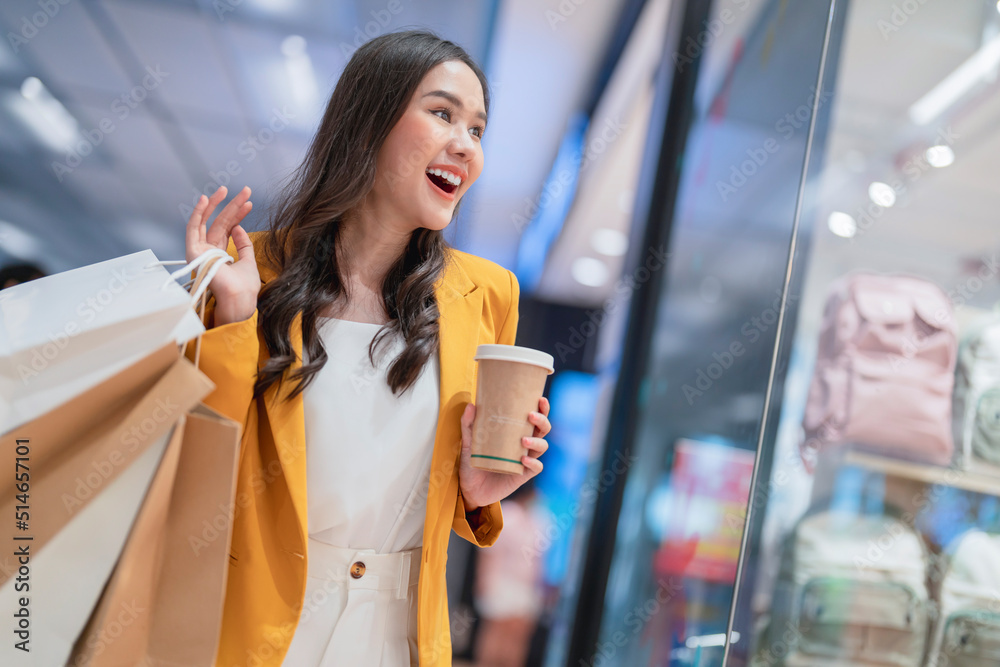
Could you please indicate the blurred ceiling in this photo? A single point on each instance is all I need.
(162, 99)
(159, 99)
(945, 221)
(164, 96)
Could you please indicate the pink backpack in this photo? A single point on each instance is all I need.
(884, 369)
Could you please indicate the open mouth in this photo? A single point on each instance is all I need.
(442, 184)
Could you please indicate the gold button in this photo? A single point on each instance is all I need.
(358, 570)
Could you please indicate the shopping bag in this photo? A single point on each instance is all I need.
(176, 560)
(66, 577)
(64, 333)
(111, 636)
(199, 535)
(175, 563)
(87, 466)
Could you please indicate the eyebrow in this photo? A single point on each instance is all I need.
(454, 100)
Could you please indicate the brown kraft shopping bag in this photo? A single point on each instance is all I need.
(174, 566)
(89, 463)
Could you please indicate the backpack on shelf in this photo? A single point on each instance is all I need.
(852, 592)
(884, 369)
(977, 395)
(967, 629)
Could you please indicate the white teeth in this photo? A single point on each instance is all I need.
(446, 175)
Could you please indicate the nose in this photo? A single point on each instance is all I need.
(461, 143)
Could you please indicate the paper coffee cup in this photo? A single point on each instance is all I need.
(510, 381)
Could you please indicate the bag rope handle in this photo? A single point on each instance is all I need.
(207, 264)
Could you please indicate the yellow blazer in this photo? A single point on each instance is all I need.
(265, 592)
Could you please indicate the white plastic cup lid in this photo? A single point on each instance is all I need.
(524, 355)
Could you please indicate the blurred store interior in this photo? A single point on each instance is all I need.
(676, 185)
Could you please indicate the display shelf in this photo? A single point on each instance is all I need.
(984, 478)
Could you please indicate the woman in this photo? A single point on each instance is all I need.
(354, 470)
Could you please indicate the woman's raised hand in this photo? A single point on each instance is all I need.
(235, 285)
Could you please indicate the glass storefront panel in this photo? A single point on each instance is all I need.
(874, 535)
(702, 383)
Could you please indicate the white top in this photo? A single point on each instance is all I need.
(368, 452)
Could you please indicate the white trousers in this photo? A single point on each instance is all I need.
(360, 609)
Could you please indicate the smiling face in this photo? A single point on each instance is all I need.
(433, 154)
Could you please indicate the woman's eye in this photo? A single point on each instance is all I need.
(479, 129)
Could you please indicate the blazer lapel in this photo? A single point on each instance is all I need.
(460, 305)
(460, 302)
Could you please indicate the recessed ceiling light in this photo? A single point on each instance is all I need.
(589, 271)
(32, 87)
(293, 45)
(940, 156)
(882, 194)
(842, 224)
(609, 242)
(50, 121)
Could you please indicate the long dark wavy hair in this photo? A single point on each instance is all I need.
(336, 174)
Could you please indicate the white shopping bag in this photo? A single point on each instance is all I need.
(65, 333)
